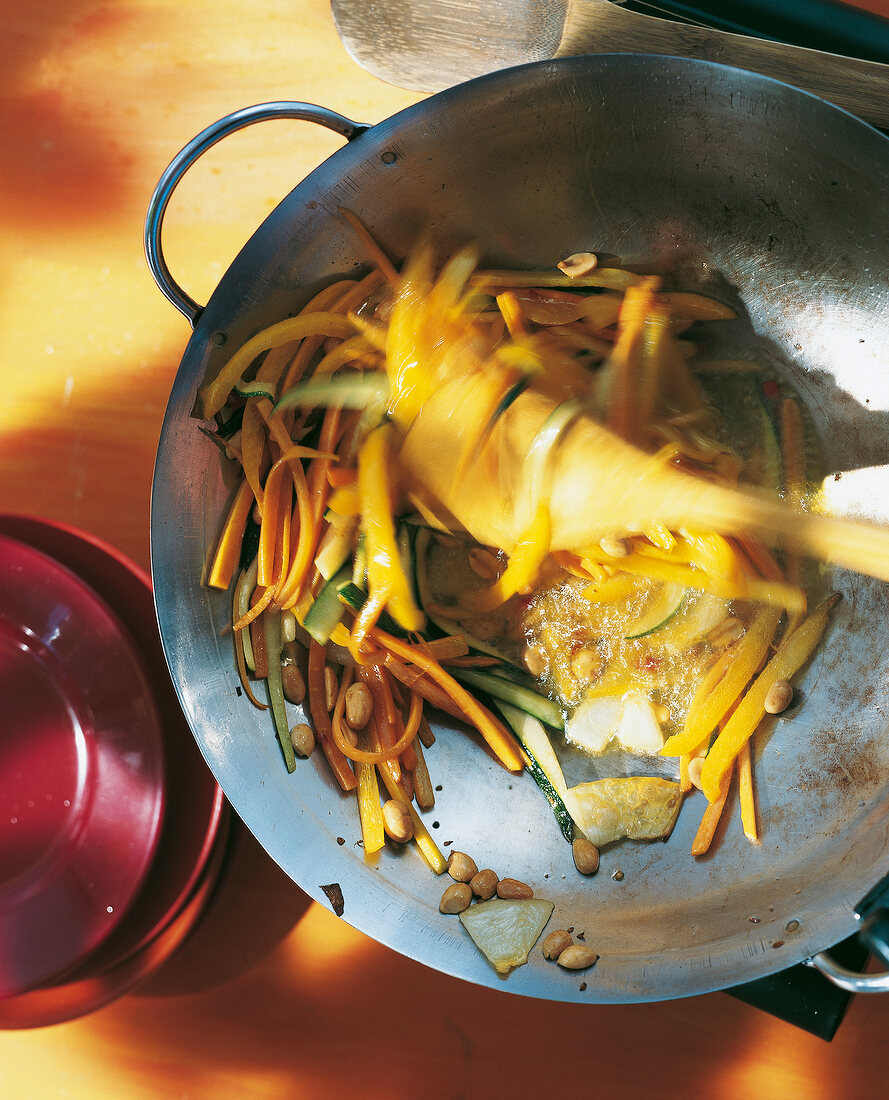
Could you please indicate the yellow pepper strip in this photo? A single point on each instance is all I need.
(228, 548)
(384, 565)
(511, 308)
(364, 622)
(707, 829)
(624, 365)
(745, 790)
(370, 811)
(791, 655)
(291, 586)
(429, 849)
(500, 740)
(696, 307)
(214, 394)
(253, 447)
(345, 500)
(521, 570)
(268, 531)
(611, 278)
(707, 711)
(793, 456)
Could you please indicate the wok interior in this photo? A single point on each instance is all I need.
(726, 183)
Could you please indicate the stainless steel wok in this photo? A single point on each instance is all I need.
(728, 183)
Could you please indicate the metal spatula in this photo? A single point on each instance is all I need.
(427, 45)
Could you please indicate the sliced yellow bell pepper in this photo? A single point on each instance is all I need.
(384, 567)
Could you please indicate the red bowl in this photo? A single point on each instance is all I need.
(197, 815)
(82, 781)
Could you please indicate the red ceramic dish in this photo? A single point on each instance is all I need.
(86, 992)
(81, 786)
(197, 815)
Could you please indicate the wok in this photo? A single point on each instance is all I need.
(728, 183)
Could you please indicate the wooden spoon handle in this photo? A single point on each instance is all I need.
(861, 87)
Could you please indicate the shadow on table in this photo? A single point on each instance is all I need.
(254, 908)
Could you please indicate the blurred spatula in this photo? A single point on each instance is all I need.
(427, 45)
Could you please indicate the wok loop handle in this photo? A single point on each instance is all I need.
(874, 933)
(206, 139)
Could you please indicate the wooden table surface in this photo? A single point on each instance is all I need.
(273, 996)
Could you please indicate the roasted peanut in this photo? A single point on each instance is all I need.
(614, 548)
(455, 899)
(555, 943)
(303, 739)
(535, 660)
(293, 683)
(461, 867)
(513, 888)
(695, 765)
(725, 632)
(358, 705)
(331, 687)
(577, 957)
(397, 821)
(579, 263)
(484, 884)
(586, 856)
(586, 664)
(779, 697)
(484, 564)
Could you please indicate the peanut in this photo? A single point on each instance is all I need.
(586, 856)
(513, 888)
(778, 697)
(577, 957)
(455, 899)
(461, 867)
(484, 884)
(358, 705)
(555, 943)
(331, 687)
(579, 263)
(303, 739)
(695, 765)
(397, 821)
(613, 547)
(293, 683)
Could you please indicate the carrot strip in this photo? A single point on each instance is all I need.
(339, 765)
(746, 793)
(384, 712)
(372, 248)
(417, 681)
(228, 548)
(256, 610)
(376, 757)
(339, 476)
(500, 740)
(242, 673)
(707, 829)
(423, 792)
(268, 531)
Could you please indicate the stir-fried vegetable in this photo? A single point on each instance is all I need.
(473, 485)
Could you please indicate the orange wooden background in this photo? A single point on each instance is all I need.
(273, 997)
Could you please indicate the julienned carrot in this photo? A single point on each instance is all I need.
(707, 829)
(242, 673)
(500, 740)
(228, 548)
(415, 679)
(339, 765)
(374, 252)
